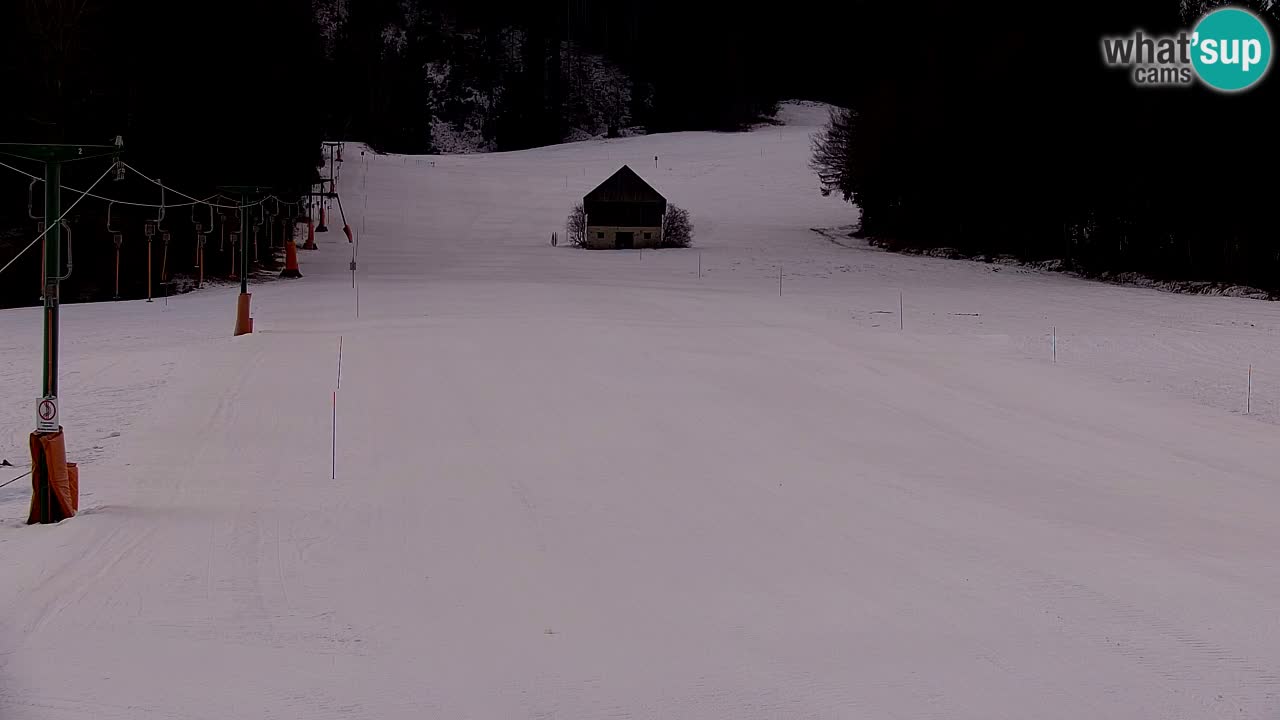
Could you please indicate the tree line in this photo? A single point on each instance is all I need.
(987, 128)
(538, 71)
(241, 92)
(202, 96)
(998, 130)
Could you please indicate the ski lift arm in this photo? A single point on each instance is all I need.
(160, 211)
(66, 228)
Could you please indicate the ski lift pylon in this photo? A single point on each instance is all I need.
(117, 239)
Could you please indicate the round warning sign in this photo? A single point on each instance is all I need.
(47, 415)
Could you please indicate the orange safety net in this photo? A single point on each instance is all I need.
(55, 483)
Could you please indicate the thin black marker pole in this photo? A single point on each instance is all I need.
(901, 324)
(339, 362)
(333, 440)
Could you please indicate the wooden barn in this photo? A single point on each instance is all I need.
(624, 212)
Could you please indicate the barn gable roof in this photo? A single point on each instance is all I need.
(625, 186)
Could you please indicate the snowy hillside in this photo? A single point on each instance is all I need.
(585, 484)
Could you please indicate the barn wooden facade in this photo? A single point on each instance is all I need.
(624, 212)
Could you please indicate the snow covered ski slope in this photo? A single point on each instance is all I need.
(576, 484)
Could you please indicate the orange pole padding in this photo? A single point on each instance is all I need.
(244, 323)
(55, 483)
(347, 229)
(291, 269)
(310, 244)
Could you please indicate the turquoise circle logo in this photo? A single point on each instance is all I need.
(1231, 49)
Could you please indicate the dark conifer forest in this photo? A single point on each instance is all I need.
(988, 128)
(1000, 130)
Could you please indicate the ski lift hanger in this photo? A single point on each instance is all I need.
(31, 200)
(201, 228)
(113, 230)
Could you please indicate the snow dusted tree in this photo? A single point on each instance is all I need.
(331, 20)
(576, 226)
(1191, 10)
(597, 94)
(831, 154)
(677, 228)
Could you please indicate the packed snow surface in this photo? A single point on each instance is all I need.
(576, 484)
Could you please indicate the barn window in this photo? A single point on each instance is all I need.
(599, 236)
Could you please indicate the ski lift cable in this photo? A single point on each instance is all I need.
(194, 201)
(17, 478)
(66, 212)
(164, 187)
(17, 170)
(130, 203)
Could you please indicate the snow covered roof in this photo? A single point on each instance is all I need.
(625, 186)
